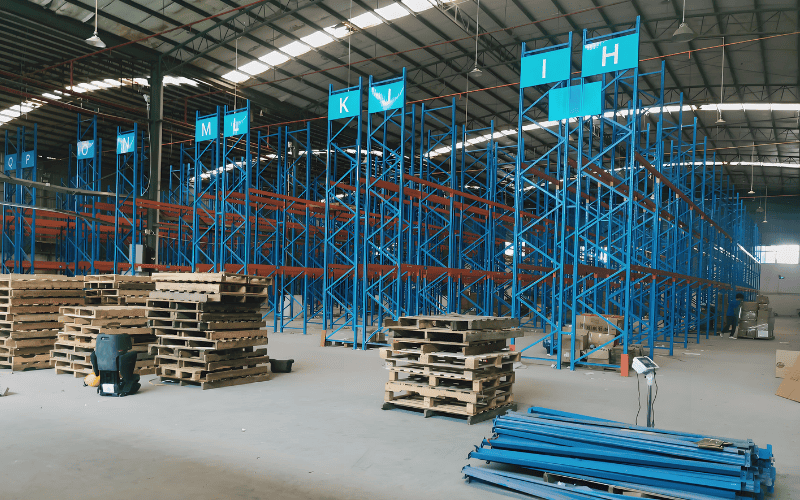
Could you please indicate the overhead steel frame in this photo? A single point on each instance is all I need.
(505, 161)
(236, 237)
(85, 242)
(344, 262)
(603, 252)
(478, 220)
(206, 201)
(18, 250)
(295, 285)
(129, 223)
(540, 220)
(385, 226)
(434, 222)
(270, 152)
(175, 231)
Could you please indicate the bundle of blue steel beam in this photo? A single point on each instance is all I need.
(595, 458)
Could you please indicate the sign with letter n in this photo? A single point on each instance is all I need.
(344, 104)
(126, 143)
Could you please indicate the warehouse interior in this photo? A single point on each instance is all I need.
(400, 248)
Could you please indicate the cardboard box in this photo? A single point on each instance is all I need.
(634, 350)
(566, 345)
(746, 329)
(790, 387)
(749, 306)
(600, 356)
(762, 299)
(597, 339)
(748, 315)
(783, 361)
(583, 339)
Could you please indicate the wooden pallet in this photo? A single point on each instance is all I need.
(457, 322)
(223, 277)
(172, 353)
(468, 349)
(452, 360)
(164, 314)
(184, 325)
(23, 363)
(435, 335)
(211, 344)
(450, 393)
(40, 281)
(201, 305)
(477, 381)
(430, 406)
(103, 312)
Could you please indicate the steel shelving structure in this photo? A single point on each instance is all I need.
(622, 212)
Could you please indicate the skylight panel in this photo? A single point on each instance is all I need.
(338, 31)
(254, 68)
(274, 58)
(296, 48)
(317, 39)
(392, 11)
(235, 76)
(366, 20)
(418, 5)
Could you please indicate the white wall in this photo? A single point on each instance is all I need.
(784, 294)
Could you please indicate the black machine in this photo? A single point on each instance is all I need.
(113, 362)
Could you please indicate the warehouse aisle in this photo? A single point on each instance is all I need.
(319, 432)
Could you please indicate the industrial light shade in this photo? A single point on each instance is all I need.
(720, 121)
(759, 209)
(751, 192)
(476, 72)
(683, 34)
(95, 41)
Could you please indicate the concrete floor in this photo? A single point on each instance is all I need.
(319, 432)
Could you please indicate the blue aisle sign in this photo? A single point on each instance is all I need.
(386, 96)
(613, 54)
(206, 128)
(344, 105)
(545, 67)
(578, 100)
(126, 143)
(10, 163)
(236, 124)
(28, 159)
(85, 150)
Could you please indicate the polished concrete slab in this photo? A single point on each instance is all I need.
(319, 432)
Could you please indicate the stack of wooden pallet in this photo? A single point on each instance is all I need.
(29, 316)
(81, 326)
(209, 328)
(452, 364)
(118, 289)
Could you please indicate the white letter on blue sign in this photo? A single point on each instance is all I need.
(544, 68)
(206, 128)
(343, 105)
(615, 54)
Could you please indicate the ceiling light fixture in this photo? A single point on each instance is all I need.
(476, 71)
(94, 40)
(720, 121)
(752, 167)
(684, 33)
